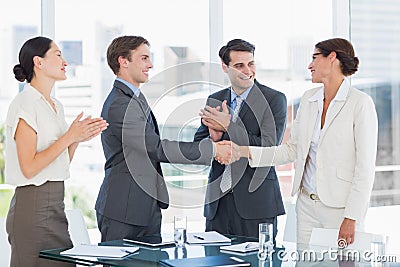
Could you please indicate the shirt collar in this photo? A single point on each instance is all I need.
(343, 90)
(135, 90)
(29, 88)
(319, 95)
(340, 95)
(243, 95)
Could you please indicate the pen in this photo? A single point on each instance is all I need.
(127, 251)
(198, 237)
(249, 245)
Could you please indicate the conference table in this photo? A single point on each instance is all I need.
(286, 254)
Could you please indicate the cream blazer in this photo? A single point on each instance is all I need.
(346, 152)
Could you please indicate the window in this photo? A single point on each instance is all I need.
(14, 30)
(374, 32)
(178, 33)
(284, 34)
(19, 20)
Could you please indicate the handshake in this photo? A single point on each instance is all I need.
(227, 152)
(218, 120)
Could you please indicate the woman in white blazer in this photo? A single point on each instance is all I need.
(333, 142)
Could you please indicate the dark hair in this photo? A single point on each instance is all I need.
(234, 45)
(37, 46)
(344, 53)
(122, 46)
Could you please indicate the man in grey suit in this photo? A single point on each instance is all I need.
(133, 191)
(257, 118)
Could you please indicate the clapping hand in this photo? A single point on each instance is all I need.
(215, 118)
(86, 129)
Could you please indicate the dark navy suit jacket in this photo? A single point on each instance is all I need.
(261, 122)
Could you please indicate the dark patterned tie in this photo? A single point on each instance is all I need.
(226, 180)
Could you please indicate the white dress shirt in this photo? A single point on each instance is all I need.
(31, 106)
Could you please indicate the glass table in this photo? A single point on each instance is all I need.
(286, 254)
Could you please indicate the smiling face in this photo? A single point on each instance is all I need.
(320, 66)
(52, 64)
(136, 69)
(241, 70)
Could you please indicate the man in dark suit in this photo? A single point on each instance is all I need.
(133, 191)
(257, 118)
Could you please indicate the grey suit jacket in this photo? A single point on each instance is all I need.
(261, 122)
(133, 184)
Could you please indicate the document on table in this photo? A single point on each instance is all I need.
(99, 251)
(207, 238)
(243, 247)
(329, 238)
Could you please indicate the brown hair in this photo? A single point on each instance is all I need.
(122, 46)
(234, 45)
(344, 53)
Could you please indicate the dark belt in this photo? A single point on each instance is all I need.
(312, 196)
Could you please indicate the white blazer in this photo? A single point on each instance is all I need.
(346, 153)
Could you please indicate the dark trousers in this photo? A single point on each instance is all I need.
(113, 230)
(228, 221)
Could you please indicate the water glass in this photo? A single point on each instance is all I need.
(265, 239)
(180, 252)
(180, 223)
(378, 248)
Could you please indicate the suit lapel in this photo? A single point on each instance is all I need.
(312, 120)
(125, 89)
(228, 99)
(252, 100)
(148, 112)
(142, 103)
(338, 105)
(154, 121)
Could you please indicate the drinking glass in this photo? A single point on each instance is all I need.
(180, 223)
(265, 239)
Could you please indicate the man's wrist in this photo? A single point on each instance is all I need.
(215, 149)
(227, 126)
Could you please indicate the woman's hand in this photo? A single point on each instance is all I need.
(86, 129)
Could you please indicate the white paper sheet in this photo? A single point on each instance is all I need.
(100, 251)
(207, 238)
(243, 247)
(328, 238)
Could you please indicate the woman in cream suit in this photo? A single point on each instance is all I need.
(333, 142)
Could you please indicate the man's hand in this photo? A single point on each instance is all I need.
(215, 135)
(347, 231)
(215, 119)
(234, 153)
(223, 152)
